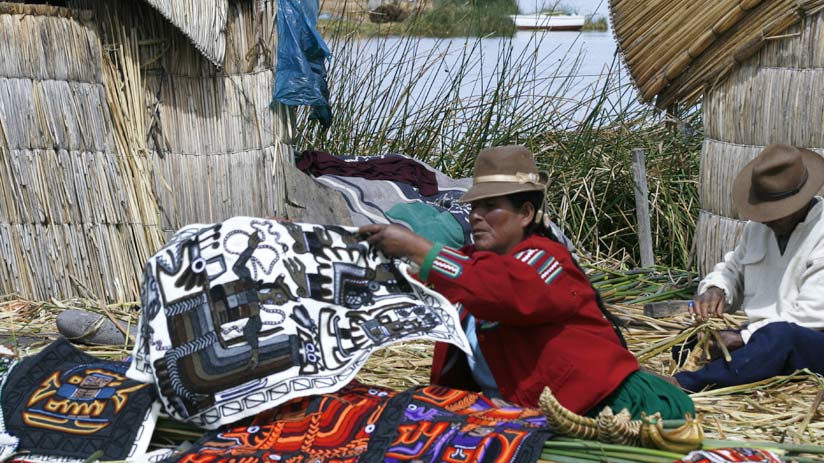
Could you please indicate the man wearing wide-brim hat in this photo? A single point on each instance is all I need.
(775, 274)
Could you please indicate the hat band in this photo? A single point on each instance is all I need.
(775, 196)
(519, 177)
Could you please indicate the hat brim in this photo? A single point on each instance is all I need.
(493, 189)
(750, 207)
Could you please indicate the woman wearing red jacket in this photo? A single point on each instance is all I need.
(530, 313)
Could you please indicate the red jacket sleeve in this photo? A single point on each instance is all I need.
(538, 283)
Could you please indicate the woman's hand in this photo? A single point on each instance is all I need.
(397, 241)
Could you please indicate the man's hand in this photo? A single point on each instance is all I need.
(732, 341)
(709, 304)
(397, 241)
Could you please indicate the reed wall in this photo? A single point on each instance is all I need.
(116, 129)
(73, 220)
(216, 145)
(774, 97)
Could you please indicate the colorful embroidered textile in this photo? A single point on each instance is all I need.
(334, 427)
(241, 316)
(64, 405)
(370, 424)
(443, 424)
(730, 456)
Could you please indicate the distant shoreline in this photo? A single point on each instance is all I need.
(361, 26)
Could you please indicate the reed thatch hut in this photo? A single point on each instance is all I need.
(122, 121)
(758, 65)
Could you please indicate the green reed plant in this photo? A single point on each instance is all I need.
(595, 23)
(442, 101)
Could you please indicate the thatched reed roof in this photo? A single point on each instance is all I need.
(203, 22)
(675, 49)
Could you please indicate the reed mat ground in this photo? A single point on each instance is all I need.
(781, 410)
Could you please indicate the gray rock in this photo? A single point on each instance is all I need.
(89, 328)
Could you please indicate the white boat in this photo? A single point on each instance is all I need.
(555, 22)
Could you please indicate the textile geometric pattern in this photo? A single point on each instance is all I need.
(241, 316)
(731, 455)
(443, 424)
(548, 268)
(334, 427)
(64, 405)
(370, 424)
(446, 262)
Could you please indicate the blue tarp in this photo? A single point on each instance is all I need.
(302, 56)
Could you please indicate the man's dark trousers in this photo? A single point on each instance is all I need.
(779, 348)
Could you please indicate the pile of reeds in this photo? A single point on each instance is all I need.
(782, 409)
(674, 59)
(641, 285)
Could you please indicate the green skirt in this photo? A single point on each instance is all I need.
(645, 392)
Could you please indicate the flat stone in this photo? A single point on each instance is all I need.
(89, 328)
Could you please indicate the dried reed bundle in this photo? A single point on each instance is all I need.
(216, 146)
(801, 46)
(206, 188)
(67, 52)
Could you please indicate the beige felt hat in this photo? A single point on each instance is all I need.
(504, 170)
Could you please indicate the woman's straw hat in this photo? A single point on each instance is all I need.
(780, 181)
(504, 170)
